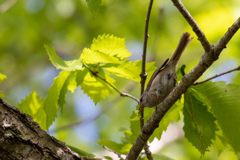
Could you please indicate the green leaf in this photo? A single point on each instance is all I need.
(95, 87)
(110, 144)
(199, 123)
(60, 64)
(94, 56)
(111, 46)
(72, 84)
(2, 77)
(93, 5)
(129, 70)
(76, 78)
(56, 91)
(33, 106)
(173, 114)
(180, 72)
(2, 94)
(108, 158)
(224, 101)
(134, 125)
(220, 142)
(61, 99)
(126, 141)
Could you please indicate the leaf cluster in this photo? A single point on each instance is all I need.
(92, 71)
(210, 110)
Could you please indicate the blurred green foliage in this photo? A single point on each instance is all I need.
(69, 26)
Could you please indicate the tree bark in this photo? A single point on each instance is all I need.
(22, 138)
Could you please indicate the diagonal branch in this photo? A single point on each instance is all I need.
(218, 75)
(188, 17)
(206, 61)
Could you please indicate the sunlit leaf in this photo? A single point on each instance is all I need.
(224, 100)
(72, 85)
(55, 92)
(61, 64)
(96, 88)
(61, 99)
(111, 46)
(199, 123)
(220, 143)
(76, 78)
(33, 106)
(129, 70)
(2, 77)
(95, 56)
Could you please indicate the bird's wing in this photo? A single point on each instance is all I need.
(159, 69)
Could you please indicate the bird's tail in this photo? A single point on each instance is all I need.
(183, 43)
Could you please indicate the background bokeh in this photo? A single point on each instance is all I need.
(68, 25)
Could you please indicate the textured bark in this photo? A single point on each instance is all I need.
(22, 138)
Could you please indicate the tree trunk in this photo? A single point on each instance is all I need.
(22, 138)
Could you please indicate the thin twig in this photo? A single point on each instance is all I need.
(146, 36)
(93, 117)
(143, 75)
(122, 94)
(218, 75)
(188, 17)
(119, 155)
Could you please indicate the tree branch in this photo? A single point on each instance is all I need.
(217, 75)
(188, 17)
(143, 75)
(206, 61)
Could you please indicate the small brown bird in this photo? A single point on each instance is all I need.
(164, 78)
